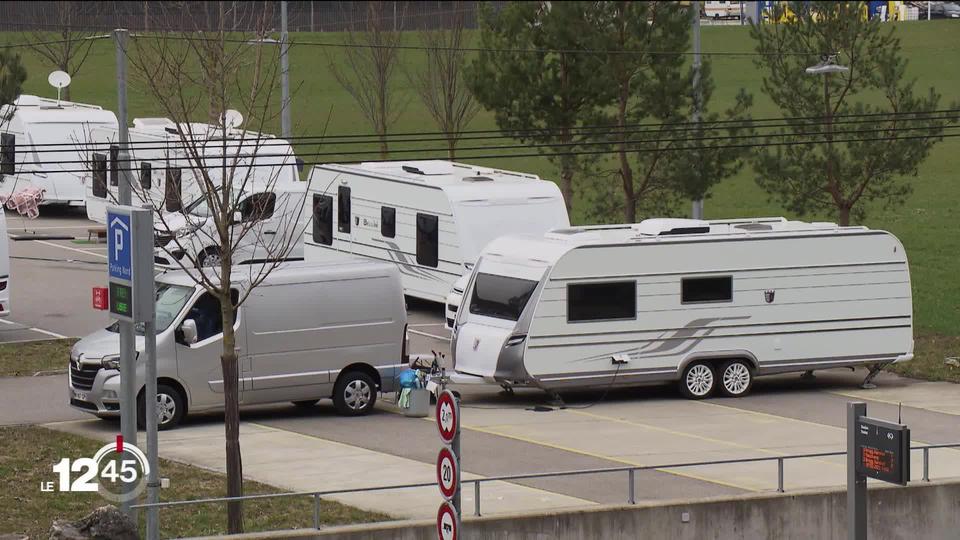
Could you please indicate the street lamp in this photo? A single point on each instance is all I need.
(827, 65)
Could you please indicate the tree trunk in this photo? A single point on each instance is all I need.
(626, 173)
(451, 147)
(843, 216)
(231, 399)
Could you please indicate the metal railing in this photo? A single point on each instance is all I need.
(631, 471)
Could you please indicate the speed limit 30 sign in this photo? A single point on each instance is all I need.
(448, 473)
(448, 416)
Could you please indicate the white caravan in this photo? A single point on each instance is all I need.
(43, 143)
(266, 184)
(5, 280)
(430, 218)
(710, 304)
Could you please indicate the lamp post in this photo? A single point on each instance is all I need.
(827, 66)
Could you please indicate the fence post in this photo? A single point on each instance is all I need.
(926, 464)
(631, 493)
(476, 498)
(316, 511)
(780, 475)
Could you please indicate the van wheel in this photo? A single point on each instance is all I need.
(305, 404)
(736, 378)
(210, 257)
(171, 407)
(698, 381)
(354, 394)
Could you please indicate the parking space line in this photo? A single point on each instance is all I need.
(35, 329)
(891, 402)
(425, 324)
(419, 333)
(85, 252)
(606, 457)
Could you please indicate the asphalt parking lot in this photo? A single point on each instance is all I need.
(503, 434)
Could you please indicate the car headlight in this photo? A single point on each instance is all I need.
(186, 231)
(111, 362)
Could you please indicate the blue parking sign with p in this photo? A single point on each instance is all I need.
(119, 246)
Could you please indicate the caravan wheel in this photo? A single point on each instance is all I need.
(736, 378)
(698, 381)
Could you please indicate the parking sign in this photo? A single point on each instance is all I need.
(130, 263)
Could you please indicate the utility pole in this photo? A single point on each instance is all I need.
(697, 208)
(128, 358)
(285, 127)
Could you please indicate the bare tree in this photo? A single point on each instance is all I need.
(186, 74)
(440, 84)
(71, 43)
(372, 58)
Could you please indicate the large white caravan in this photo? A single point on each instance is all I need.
(43, 142)
(430, 218)
(5, 281)
(708, 303)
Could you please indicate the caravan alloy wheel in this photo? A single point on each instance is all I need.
(698, 381)
(736, 378)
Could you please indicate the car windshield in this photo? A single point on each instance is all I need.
(170, 301)
(501, 297)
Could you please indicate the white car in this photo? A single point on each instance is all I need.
(271, 221)
(455, 298)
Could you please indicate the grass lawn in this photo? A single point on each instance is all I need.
(930, 352)
(927, 222)
(30, 452)
(25, 359)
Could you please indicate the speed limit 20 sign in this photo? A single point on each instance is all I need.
(448, 416)
(448, 473)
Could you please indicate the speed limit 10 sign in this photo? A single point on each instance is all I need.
(448, 416)
(448, 527)
(448, 473)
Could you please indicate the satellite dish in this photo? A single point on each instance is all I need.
(59, 80)
(232, 119)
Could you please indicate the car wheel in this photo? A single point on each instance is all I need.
(736, 378)
(305, 404)
(354, 394)
(698, 381)
(171, 406)
(210, 257)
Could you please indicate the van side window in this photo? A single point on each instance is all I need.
(206, 313)
(114, 166)
(706, 289)
(8, 153)
(428, 240)
(146, 172)
(388, 221)
(601, 301)
(99, 169)
(323, 219)
(258, 207)
(171, 191)
(343, 209)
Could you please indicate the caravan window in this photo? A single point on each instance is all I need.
(388, 222)
(706, 289)
(500, 297)
(8, 153)
(99, 169)
(601, 301)
(323, 219)
(114, 166)
(146, 181)
(428, 240)
(343, 209)
(172, 190)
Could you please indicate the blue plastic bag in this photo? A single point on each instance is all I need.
(408, 378)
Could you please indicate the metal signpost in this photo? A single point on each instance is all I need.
(448, 466)
(875, 449)
(131, 300)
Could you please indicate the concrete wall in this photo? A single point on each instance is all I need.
(921, 510)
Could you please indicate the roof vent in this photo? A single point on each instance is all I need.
(412, 170)
(668, 226)
(753, 227)
(477, 179)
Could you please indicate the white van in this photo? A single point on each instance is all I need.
(310, 331)
(430, 218)
(5, 280)
(710, 304)
(46, 142)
